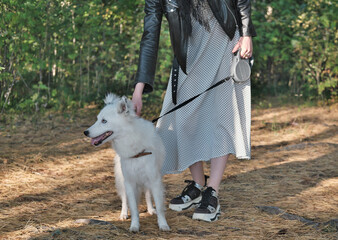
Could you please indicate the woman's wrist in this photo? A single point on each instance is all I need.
(139, 88)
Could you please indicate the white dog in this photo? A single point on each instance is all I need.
(140, 154)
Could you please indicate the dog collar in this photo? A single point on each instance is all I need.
(141, 154)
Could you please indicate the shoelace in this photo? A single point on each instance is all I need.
(186, 189)
(191, 183)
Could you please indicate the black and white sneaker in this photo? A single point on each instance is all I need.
(209, 209)
(190, 197)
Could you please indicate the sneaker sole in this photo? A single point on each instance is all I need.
(208, 217)
(185, 206)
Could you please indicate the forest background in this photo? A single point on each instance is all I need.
(63, 55)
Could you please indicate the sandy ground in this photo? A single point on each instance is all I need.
(51, 176)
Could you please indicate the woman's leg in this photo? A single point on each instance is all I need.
(197, 173)
(209, 207)
(216, 171)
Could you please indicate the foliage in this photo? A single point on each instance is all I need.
(315, 45)
(295, 48)
(272, 48)
(63, 54)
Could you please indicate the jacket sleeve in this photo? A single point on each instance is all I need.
(149, 44)
(244, 9)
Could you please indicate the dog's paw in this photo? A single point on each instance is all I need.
(164, 227)
(134, 228)
(123, 216)
(151, 211)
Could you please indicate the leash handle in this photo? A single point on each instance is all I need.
(191, 99)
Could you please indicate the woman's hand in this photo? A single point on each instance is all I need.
(245, 43)
(137, 98)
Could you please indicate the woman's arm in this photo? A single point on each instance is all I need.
(244, 10)
(247, 29)
(137, 97)
(148, 52)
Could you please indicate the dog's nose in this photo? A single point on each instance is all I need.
(86, 133)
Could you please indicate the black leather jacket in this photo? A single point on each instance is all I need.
(229, 14)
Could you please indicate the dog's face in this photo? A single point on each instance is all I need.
(111, 120)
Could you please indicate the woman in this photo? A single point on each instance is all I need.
(204, 34)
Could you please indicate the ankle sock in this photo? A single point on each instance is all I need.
(198, 186)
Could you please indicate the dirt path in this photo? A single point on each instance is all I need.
(50, 176)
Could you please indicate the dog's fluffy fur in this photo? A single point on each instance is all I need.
(130, 135)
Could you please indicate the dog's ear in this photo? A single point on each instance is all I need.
(126, 106)
(123, 105)
(110, 98)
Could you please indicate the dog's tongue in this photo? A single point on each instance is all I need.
(97, 139)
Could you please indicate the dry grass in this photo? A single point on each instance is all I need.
(50, 176)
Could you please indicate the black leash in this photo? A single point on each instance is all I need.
(190, 99)
(240, 71)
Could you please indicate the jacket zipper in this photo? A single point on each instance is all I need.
(233, 15)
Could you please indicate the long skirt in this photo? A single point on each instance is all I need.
(216, 123)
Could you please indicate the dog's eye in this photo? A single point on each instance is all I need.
(104, 121)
